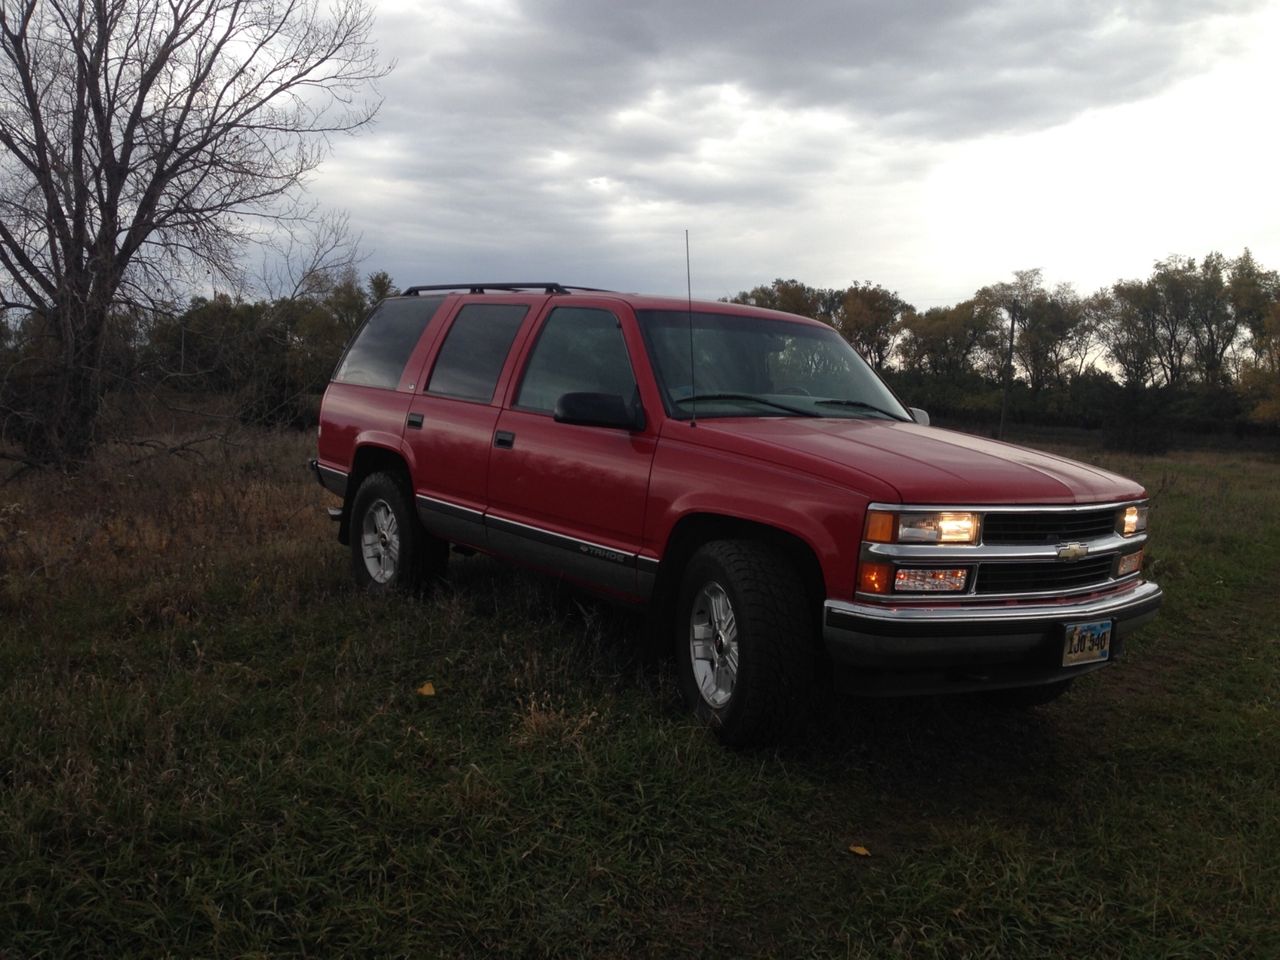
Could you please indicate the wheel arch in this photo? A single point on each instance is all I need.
(370, 459)
(693, 530)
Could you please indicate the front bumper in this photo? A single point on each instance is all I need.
(894, 650)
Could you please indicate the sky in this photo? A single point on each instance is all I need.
(930, 146)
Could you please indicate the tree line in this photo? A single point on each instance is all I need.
(1193, 347)
(270, 358)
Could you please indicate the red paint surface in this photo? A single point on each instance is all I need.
(812, 478)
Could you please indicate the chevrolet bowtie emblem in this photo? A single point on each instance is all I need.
(1073, 551)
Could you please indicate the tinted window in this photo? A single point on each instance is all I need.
(381, 348)
(475, 349)
(579, 349)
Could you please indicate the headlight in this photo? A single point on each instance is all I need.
(943, 526)
(1133, 520)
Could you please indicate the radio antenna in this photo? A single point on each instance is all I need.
(693, 386)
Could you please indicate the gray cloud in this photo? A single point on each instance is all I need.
(553, 130)
(931, 69)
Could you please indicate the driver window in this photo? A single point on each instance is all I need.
(580, 350)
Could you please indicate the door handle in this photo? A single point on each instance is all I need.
(414, 422)
(504, 439)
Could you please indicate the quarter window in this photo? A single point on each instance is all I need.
(579, 350)
(474, 350)
(377, 355)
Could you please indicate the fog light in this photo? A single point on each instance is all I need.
(930, 580)
(1129, 563)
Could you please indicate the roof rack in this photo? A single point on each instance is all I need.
(505, 287)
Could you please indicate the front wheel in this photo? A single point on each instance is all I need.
(744, 645)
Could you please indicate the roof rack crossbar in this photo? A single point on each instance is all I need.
(547, 286)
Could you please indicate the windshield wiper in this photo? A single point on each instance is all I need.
(862, 405)
(749, 396)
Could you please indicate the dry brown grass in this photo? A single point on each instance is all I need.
(542, 722)
(158, 532)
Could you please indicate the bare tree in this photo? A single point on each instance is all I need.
(141, 142)
(307, 258)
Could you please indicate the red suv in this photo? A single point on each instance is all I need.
(745, 475)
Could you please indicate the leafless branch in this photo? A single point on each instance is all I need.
(142, 142)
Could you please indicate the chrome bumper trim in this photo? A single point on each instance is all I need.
(1113, 605)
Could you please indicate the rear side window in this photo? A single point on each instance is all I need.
(381, 348)
(579, 350)
(475, 349)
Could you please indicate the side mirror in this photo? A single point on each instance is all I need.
(920, 416)
(598, 410)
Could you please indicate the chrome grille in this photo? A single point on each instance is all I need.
(1047, 526)
(1041, 576)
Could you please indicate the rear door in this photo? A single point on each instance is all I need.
(562, 496)
(451, 419)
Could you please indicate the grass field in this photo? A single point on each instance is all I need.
(211, 745)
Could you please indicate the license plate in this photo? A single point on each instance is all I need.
(1086, 643)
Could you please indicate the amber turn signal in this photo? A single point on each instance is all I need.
(881, 526)
(875, 577)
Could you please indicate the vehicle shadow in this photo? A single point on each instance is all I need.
(944, 756)
(935, 750)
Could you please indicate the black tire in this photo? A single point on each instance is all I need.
(1024, 698)
(390, 550)
(772, 639)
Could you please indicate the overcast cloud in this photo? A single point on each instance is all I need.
(829, 141)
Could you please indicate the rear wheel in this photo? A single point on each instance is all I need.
(744, 645)
(390, 550)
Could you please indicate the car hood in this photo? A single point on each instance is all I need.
(925, 465)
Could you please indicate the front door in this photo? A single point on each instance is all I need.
(568, 497)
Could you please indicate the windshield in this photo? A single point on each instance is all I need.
(745, 366)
